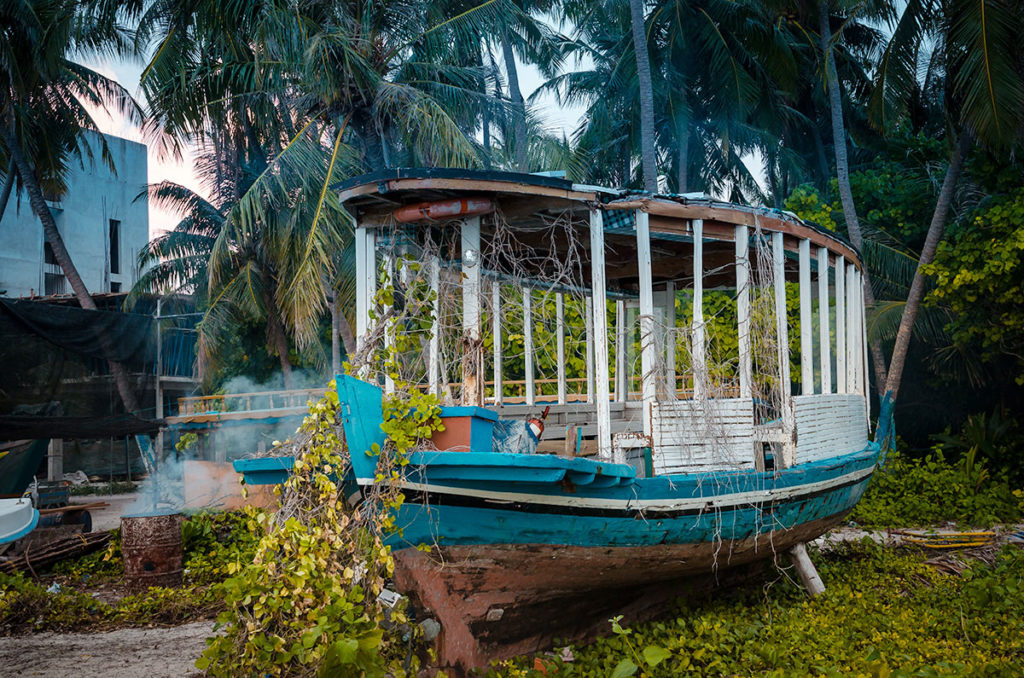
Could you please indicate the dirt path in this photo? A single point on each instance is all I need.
(126, 653)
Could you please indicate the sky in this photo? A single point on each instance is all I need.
(182, 171)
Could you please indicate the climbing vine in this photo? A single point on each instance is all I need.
(309, 602)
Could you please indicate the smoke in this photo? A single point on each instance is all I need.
(166, 491)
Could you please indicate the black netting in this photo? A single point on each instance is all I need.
(55, 378)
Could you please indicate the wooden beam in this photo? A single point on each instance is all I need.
(698, 334)
(496, 331)
(560, 329)
(824, 328)
(841, 385)
(806, 343)
(472, 345)
(743, 309)
(648, 344)
(600, 325)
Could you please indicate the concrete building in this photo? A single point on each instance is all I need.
(102, 224)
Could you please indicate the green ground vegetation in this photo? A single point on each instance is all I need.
(885, 612)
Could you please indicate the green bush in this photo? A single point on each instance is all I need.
(916, 492)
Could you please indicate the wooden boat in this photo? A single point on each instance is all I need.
(640, 497)
(17, 518)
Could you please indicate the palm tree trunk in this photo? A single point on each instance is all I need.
(60, 252)
(935, 230)
(643, 70)
(518, 105)
(278, 341)
(335, 329)
(843, 176)
(683, 171)
(348, 338)
(5, 193)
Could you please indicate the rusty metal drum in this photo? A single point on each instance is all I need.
(151, 550)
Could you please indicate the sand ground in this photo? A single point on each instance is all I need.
(126, 653)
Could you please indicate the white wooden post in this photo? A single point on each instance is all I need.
(560, 323)
(697, 337)
(472, 346)
(648, 345)
(851, 329)
(824, 325)
(743, 309)
(531, 392)
(782, 334)
(496, 331)
(866, 380)
(806, 343)
(588, 310)
(389, 330)
(841, 385)
(366, 286)
(600, 335)
(621, 392)
(434, 354)
(670, 339)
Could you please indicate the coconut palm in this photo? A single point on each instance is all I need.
(974, 46)
(44, 110)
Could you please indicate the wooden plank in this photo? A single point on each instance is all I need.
(829, 426)
(743, 309)
(709, 435)
(824, 329)
(863, 338)
(389, 330)
(648, 346)
(806, 343)
(841, 386)
(851, 329)
(560, 330)
(531, 388)
(600, 335)
(472, 346)
(496, 332)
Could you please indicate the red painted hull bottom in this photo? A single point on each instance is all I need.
(498, 601)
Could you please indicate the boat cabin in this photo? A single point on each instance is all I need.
(676, 333)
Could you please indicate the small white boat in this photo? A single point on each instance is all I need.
(17, 518)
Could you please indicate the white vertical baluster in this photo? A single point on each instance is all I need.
(620, 352)
(496, 331)
(806, 343)
(841, 384)
(743, 309)
(824, 326)
(434, 355)
(851, 329)
(389, 331)
(472, 360)
(560, 329)
(782, 334)
(670, 339)
(648, 345)
(600, 325)
(588, 310)
(698, 334)
(531, 392)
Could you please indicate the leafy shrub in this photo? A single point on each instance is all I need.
(115, 487)
(915, 492)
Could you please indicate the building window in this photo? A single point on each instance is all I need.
(53, 283)
(115, 246)
(48, 253)
(115, 287)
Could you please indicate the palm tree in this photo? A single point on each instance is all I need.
(44, 114)
(648, 154)
(975, 47)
